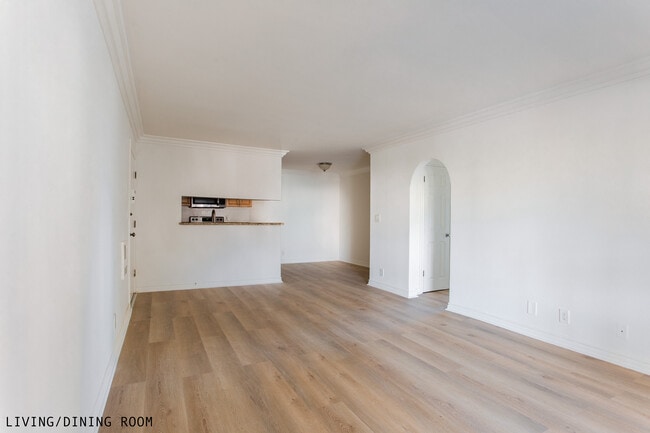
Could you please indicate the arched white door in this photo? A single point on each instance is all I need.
(430, 228)
(435, 257)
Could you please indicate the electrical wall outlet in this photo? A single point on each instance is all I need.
(623, 330)
(531, 308)
(564, 316)
(381, 272)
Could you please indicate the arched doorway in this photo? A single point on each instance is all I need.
(429, 229)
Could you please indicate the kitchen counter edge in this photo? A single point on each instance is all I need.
(231, 223)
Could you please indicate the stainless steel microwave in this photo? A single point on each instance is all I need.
(208, 202)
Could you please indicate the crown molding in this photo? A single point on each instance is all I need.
(209, 145)
(356, 171)
(109, 13)
(589, 83)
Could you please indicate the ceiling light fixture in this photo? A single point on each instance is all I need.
(324, 166)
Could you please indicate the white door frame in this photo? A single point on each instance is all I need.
(132, 223)
(419, 194)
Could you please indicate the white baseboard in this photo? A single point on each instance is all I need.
(207, 285)
(642, 366)
(109, 373)
(298, 260)
(357, 262)
(387, 287)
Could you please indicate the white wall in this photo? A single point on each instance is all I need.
(64, 163)
(171, 256)
(550, 205)
(310, 211)
(211, 169)
(354, 236)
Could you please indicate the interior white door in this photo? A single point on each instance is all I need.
(436, 234)
(441, 231)
(428, 229)
(133, 224)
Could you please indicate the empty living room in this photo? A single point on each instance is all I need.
(313, 216)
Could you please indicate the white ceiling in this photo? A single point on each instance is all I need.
(325, 78)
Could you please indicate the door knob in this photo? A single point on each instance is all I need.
(132, 235)
(447, 235)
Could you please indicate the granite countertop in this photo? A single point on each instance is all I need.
(231, 223)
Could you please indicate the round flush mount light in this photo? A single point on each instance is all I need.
(324, 166)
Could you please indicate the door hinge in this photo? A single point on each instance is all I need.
(135, 273)
(134, 223)
(135, 175)
(423, 272)
(424, 179)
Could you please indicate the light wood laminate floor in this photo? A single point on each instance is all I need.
(323, 352)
